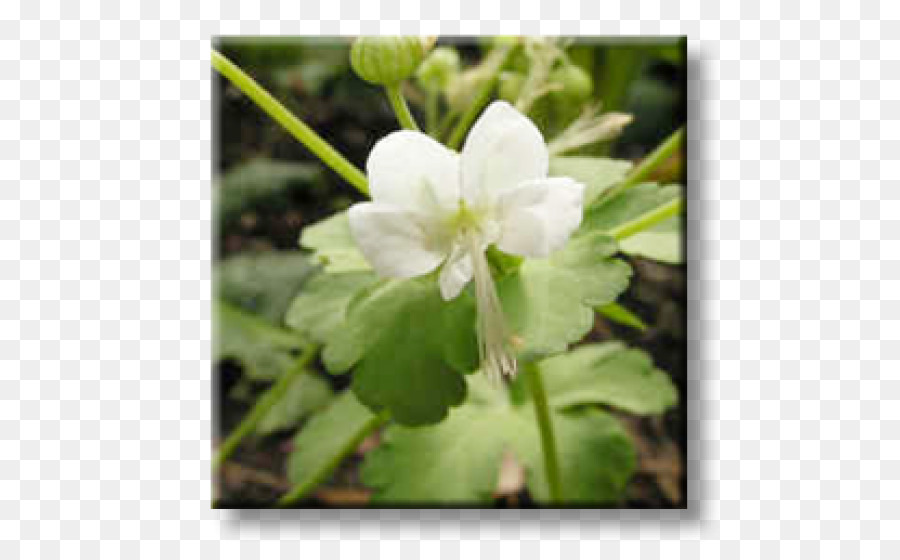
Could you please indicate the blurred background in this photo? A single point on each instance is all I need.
(268, 187)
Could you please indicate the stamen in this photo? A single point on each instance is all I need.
(494, 349)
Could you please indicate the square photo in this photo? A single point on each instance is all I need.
(449, 272)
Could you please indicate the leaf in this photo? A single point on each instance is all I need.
(262, 349)
(457, 461)
(605, 215)
(257, 181)
(595, 454)
(611, 374)
(263, 283)
(333, 244)
(619, 314)
(549, 303)
(326, 439)
(660, 243)
(307, 394)
(597, 174)
(454, 462)
(409, 348)
(320, 309)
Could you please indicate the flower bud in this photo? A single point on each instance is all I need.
(384, 60)
(438, 69)
(577, 85)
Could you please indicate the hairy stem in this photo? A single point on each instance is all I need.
(545, 426)
(647, 220)
(648, 165)
(401, 109)
(322, 149)
(263, 405)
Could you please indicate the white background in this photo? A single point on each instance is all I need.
(105, 285)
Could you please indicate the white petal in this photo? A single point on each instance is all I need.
(392, 240)
(456, 273)
(410, 170)
(537, 217)
(503, 149)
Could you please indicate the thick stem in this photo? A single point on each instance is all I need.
(322, 149)
(401, 109)
(265, 403)
(481, 98)
(648, 165)
(545, 426)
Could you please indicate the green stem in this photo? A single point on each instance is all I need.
(647, 220)
(443, 127)
(322, 149)
(401, 109)
(648, 165)
(545, 426)
(480, 100)
(300, 491)
(431, 113)
(265, 403)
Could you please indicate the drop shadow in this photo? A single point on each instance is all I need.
(700, 450)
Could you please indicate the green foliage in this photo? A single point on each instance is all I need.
(306, 395)
(549, 303)
(596, 457)
(325, 440)
(263, 283)
(607, 214)
(254, 290)
(595, 173)
(321, 307)
(662, 242)
(456, 461)
(333, 244)
(260, 183)
(409, 348)
(262, 349)
(609, 374)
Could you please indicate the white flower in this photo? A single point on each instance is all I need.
(431, 207)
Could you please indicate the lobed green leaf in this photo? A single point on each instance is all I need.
(549, 303)
(409, 349)
(610, 374)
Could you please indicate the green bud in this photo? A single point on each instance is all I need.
(511, 85)
(441, 66)
(577, 84)
(386, 61)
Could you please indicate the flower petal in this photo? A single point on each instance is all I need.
(456, 273)
(392, 240)
(410, 170)
(537, 217)
(503, 149)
